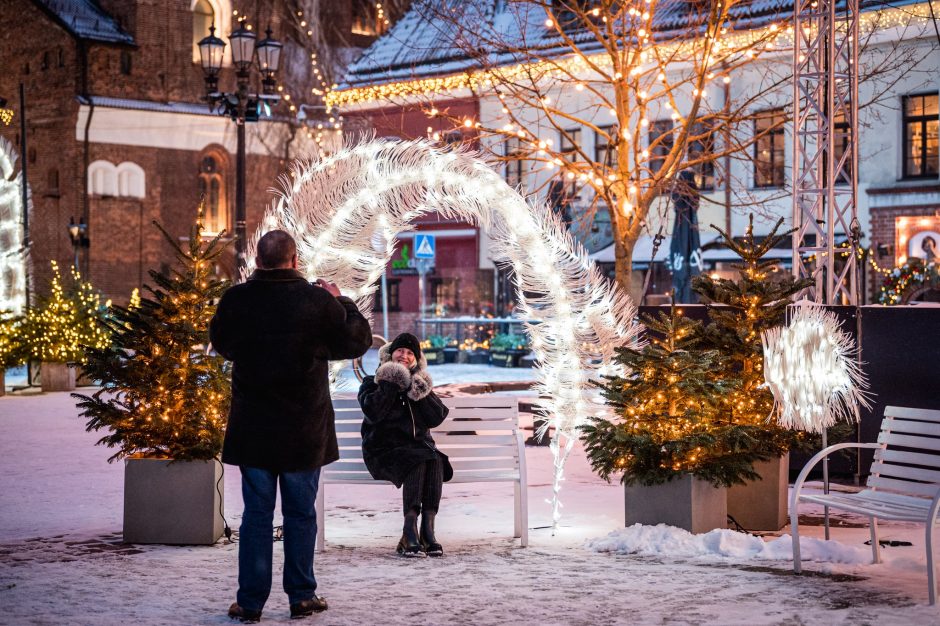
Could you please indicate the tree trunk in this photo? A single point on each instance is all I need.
(623, 267)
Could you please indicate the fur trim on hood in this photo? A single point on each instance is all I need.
(417, 381)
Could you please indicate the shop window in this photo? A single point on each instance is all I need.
(445, 295)
(369, 18)
(515, 162)
(392, 286)
(604, 150)
(703, 148)
(661, 141)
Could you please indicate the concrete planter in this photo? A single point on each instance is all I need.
(762, 504)
(57, 376)
(172, 503)
(3, 382)
(687, 502)
(434, 356)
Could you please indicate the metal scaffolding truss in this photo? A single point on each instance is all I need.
(825, 150)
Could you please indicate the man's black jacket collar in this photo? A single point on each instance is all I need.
(281, 273)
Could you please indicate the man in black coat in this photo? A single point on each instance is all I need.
(280, 331)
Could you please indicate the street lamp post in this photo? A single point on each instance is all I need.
(241, 105)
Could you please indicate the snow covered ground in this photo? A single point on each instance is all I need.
(62, 560)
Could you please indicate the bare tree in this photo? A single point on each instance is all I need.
(649, 78)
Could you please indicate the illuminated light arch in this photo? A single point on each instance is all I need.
(346, 211)
(13, 257)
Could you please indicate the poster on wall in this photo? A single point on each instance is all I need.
(917, 237)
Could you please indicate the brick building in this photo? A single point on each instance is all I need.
(118, 132)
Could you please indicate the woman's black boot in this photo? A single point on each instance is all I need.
(428, 540)
(409, 545)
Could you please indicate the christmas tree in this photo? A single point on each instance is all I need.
(67, 323)
(753, 303)
(12, 350)
(163, 394)
(670, 421)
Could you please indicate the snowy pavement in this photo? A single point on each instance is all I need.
(62, 560)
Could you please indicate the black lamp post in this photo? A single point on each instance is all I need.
(78, 233)
(240, 105)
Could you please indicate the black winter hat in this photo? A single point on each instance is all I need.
(406, 340)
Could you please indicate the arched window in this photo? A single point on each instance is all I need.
(212, 190)
(208, 13)
(102, 179)
(130, 180)
(203, 18)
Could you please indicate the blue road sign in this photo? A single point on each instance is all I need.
(424, 246)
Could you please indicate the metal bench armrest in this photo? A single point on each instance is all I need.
(819, 456)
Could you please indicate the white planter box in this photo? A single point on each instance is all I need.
(57, 376)
(172, 503)
(686, 502)
(762, 504)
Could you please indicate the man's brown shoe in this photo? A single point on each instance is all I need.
(243, 615)
(305, 608)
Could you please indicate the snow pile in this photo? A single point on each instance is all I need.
(668, 541)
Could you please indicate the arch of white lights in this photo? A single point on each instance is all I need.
(347, 209)
(13, 257)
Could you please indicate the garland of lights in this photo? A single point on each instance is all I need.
(811, 368)
(13, 258)
(902, 280)
(347, 210)
(771, 37)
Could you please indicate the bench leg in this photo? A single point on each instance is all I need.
(931, 578)
(321, 517)
(795, 533)
(875, 546)
(517, 511)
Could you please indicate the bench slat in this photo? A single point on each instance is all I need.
(903, 471)
(444, 439)
(912, 458)
(911, 427)
(908, 441)
(475, 412)
(903, 486)
(927, 415)
(499, 465)
(856, 503)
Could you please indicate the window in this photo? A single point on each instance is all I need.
(369, 18)
(394, 304)
(102, 179)
(212, 191)
(661, 132)
(203, 18)
(52, 181)
(703, 148)
(125, 62)
(445, 295)
(515, 163)
(768, 149)
(45, 61)
(840, 145)
(569, 144)
(130, 180)
(604, 151)
(921, 156)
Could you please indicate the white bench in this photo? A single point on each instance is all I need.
(481, 437)
(904, 483)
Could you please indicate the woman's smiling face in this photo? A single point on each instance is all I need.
(404, 356)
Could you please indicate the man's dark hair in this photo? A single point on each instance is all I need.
(276, 249)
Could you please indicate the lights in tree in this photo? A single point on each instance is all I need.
(12, 255)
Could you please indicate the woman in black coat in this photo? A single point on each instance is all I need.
(400, 410)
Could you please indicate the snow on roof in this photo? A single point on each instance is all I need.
(190, 108)
(85, 19)
(424, 44)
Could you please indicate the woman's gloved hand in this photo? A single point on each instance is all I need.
(395, 373)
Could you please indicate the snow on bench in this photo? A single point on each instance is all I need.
(903, 485)
(481, 436)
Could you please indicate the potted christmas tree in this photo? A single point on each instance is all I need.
(164, 401)
(675, 448)
(433, 349)
(754, 302)
(60, 329)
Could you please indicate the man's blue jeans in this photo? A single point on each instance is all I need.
(255, 542)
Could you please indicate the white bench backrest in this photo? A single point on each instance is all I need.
(480, 436)
(909, 459)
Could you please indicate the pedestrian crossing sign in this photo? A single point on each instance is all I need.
(424, 246)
